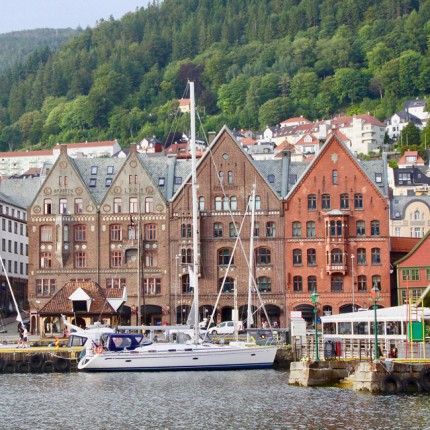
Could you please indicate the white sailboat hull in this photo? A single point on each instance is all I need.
(181, 357)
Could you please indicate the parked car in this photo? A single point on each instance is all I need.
(226, 327)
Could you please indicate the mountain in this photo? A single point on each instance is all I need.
(255, 62)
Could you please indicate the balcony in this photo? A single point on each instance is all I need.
(336, 268)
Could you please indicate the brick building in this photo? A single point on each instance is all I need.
(337, 232)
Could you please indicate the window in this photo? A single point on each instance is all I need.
(94, 170)
(361, 228)
(297, 229)
(185, 231)
(226, 284)
(63, 206)
(161, 182)
(185, 284)
(150, 258)
(80, 260)
(270, 229)
(132, 231)
(362, 283)
(115, 232)
(132, 179)
(257, 229)
(152, 286)
(218, 229)
(271, 179)
(297, 284)
(264, 284)
(117, 205)
(79, 206)
(334, 177)
(80, 233)
(374, 228)
(45, 287)
(47, 207)
(263, 256)
(336, 229)
(378, 178)
(93, 182)
(230, 177)
(150, 231)
(116, 283)
(225, 203)
(149, 204)
(201, 203)
(233, 232)
(133, 205)
(116, 259)
(46, 233)
(376, 256)
(110, 170)
(312, 202)
(312, 257)
(428, 274)
(344, 201)
(361, 257)
(233, 203)
(297, 257)
(224, 255)
(358, 201)
(415, 275)
(220, 177)
(218, 203)
(45, 260)
(336, 283)
(186, 256)
(310, 229)
(326, 201)
(312, 283)
(178, 180)
(376, 280)
(336, 257)
(257, 203)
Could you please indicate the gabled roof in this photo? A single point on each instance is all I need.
(424, 258)
(60, 303)
(39, 153)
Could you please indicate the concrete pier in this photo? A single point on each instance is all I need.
(323, 373)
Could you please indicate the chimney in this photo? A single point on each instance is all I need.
(63, 149)
(211, 137)
(286, 159)
(133, 148)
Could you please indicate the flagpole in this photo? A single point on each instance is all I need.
(18, 317)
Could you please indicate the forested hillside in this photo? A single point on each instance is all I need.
(255, 62)
(18, 45)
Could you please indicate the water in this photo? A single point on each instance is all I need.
(237, 400)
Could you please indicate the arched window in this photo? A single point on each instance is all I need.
(263, 256)
(336, 283)
(149, 204)
(312, 283)
(185, 231)
(257, 203)
(230, 177)
(185, 283)
(297, 284)
(376, 280)
(297, 257)
(224, 256)
(228, 284)
(264, 284)
(186, 256)
(233, 203)
(362, 283)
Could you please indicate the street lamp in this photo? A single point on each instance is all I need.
(315, 297)
(374, 293)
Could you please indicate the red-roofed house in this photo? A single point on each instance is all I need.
(16, 163)
(294, 121)
(185, 105)
(410, 158)
(90, 149)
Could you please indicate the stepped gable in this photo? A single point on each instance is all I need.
(60, 303)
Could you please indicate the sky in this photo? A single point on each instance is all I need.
(16, 15)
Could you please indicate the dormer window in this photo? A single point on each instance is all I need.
(161, 182)
(94, 170)
(110, 170)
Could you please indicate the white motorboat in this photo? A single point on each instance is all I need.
(179, 351)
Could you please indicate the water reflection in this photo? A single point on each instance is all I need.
(198, 400)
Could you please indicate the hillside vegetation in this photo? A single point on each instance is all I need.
(255, 62)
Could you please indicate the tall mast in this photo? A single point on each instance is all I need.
(249, 318)
(194, 203)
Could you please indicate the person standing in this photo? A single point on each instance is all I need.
(21, 336)
(25, 338)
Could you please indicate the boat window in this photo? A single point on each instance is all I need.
(329, 328)
(345, 328)
(380, 327)
(361, 327)
(393, 327)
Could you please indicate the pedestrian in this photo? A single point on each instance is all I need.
(25, 338)
(21, 336)
(65, 332)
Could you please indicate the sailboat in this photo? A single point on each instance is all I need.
(137, 352)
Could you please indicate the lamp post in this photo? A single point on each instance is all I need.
(315, 297)
(353, 286)
(375, 297)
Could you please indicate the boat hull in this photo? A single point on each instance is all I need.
(195, 358)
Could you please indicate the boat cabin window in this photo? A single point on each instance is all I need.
(329, 328)
(394, 327)
(76, 341)
(381, 329)
(345, 328)
(361, 327)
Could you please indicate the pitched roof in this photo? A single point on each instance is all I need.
(39, 153)
(88, 144)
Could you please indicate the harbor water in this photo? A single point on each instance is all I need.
(260, 399)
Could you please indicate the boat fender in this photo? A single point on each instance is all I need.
(2, 362)
(62, 365)
(9, 367)
(98, 349)
(23, 367)
(391, 384)
(48, 366)
(36, 361)
(412, 385)
(425, 379)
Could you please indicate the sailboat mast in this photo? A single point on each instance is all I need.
(249, 318)
(195, 208)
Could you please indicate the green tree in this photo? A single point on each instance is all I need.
(274, 111)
